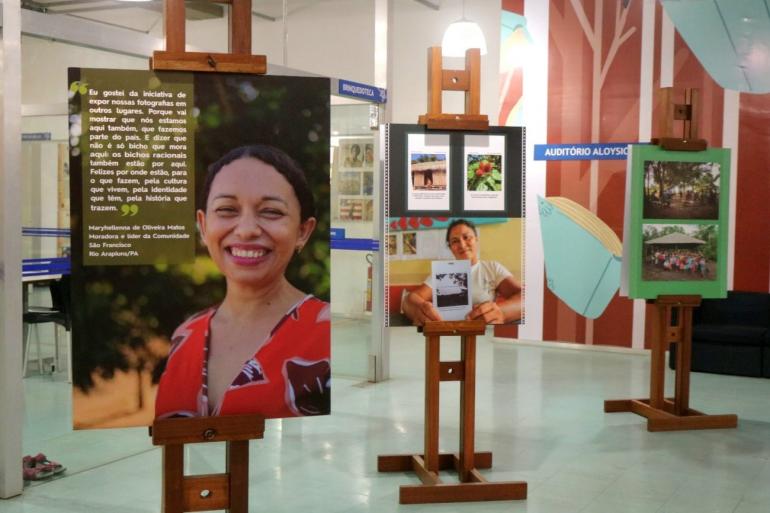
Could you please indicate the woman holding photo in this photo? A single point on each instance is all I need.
(265, 349)
(496, 295)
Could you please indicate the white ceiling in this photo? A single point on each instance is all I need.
(145, 16)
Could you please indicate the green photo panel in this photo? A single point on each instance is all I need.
(676, 226)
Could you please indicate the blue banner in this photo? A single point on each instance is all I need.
(337, 233)
(355, 244)
(601, 151)
(363, 91)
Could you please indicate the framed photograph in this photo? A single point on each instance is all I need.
(676, 224)
(368, 156)
(352, 153)
(451, 288)
(680, 252)
(681, 190)
(409, 243)
(484, 172)
(355, 209)
(349, 183)
(432, 203)
(137, 355)
(367, 187)
(392, 241)
(428, 172)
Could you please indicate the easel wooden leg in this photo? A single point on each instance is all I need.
(432, 382)
(675, 314)
(173, 478)
(467, 408)
(237, 465)
(228, 491)
(472, 485)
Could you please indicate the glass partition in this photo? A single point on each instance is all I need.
(354, 193)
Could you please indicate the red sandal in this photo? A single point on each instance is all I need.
(31, 471)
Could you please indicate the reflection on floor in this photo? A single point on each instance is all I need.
(539, 409)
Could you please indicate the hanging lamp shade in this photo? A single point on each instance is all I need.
(462, 35)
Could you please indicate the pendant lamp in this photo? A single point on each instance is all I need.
(461, 35)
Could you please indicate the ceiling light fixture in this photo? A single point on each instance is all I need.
(462, 35)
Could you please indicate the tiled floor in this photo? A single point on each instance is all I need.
(539, 409)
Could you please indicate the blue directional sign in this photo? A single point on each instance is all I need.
(601, 151)
(363, 91)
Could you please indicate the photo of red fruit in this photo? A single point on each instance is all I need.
(484, 172)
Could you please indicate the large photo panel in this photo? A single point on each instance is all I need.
(200, 258)
(454, 196)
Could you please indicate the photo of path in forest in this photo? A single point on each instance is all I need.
(681, 190)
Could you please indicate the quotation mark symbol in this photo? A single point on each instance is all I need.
(79, 87)
(127, 209)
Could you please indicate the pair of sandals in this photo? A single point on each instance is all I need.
(35, 468)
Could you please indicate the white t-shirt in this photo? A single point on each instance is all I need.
(486, 275)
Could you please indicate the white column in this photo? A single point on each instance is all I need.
(11, 388)
(666, 51)
(535, 109)
(379, 348)
(645, 133)
(730, 125)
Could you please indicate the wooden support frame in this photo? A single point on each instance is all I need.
(228, 491)
(688, 113)
(467, 80)
(472, 485)
(672, 414)
(239, 60)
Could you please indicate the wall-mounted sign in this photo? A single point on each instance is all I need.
(601, 151)
(362, 91)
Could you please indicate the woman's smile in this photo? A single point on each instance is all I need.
(247, 254)
(252, 225)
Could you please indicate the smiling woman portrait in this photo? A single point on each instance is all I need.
(495, 293)
(265, 349)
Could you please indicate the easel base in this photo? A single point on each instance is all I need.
(455, 121)
(666, 420)
(475, 487)
(213, 62)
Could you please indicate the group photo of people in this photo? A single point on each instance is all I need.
(679, 252)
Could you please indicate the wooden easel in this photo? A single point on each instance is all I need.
(671, 414)
(228, 491)
(239, 60)
(467, 80)
(472, 485)
(688, 113)
(674, 312)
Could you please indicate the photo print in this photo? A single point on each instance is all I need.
(409, 243)
(484, 172)
(349, 182)
(356, 209)
(367, 188)
(679, 252)
(428, 172)
(368, 156)
(392, 245)
(138, 355)
(451, 288)
(351, 154)
(681, 190)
